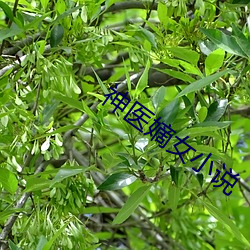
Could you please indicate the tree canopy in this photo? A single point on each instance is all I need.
(124, 124)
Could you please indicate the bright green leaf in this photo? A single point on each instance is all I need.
(8, 180)
(214, 61)
(186, 54)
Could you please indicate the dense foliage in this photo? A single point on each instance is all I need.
(76, 175)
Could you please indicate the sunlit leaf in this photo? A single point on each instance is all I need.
(8, 180)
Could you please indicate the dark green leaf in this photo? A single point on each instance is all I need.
(169, 113)
(223, 41)
(200, 178)
(7, 10)
(174, 172)
(56, 35)
(245, 2)
(117, 181)
(216, 110)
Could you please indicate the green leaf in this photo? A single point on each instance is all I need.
(214, 61)
(49, 110)
(158, 97)
(117, 181)
(216, 110)
(9, 32)
(132, 203)
(99, 210)
(202, 114)
(49, 244)
(174, 172)
(193, 132)
(8, 180)
(227, 223)
(245, 2)
(147, 35)
(173, 196)
(197, 85)
(56, 35)
(68, 12)
(213, 124)
(186, 54)
(168, 114)
(44, 3)
(200, 178)
(104, 89)
(13, 246)
(35, 183)
(66, 172)
(162, 12)
(143, 81)
(216, 154)
(9, 211)
(70, 101)
(7, 10)
(177, 74)
(41, 243)
(244, 45)
(223, 41)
